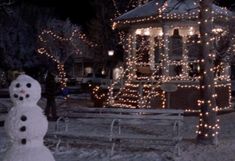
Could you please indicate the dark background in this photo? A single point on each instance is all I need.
(81, 11)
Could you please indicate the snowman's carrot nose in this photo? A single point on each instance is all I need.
(22, 91)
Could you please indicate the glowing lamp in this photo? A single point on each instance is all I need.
(110, 52)
(138, 32)
(146, 32)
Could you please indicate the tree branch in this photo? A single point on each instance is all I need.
(9, 3)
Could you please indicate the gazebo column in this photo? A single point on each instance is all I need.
(227, 70)
(151, 51)
(185, 58)
(165, 30)
(131, 47)
(133, 44)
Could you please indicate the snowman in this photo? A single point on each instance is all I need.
(26, 124)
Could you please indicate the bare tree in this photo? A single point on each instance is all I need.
(60, 41)
(4, 3)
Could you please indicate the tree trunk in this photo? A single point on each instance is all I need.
(207, 129)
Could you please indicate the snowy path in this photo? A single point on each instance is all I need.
(85, 150)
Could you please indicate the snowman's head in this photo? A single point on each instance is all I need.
(25, 90)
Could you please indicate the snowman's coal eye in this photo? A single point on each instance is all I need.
(17, 85)
(28, 85)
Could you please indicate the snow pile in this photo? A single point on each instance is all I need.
(223, 152)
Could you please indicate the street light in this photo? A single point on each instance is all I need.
(110, 52)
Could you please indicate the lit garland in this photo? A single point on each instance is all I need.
(97, 93)
(43, 38)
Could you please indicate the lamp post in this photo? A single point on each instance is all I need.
(110, 54)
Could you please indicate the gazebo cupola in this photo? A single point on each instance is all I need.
(162, 42)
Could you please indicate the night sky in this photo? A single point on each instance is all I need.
(226, 3)
(80, 11)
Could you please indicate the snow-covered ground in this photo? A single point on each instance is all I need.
(99, 150)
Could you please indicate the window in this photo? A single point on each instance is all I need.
(175, 70)
(194, 69)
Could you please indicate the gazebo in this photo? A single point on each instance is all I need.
(162, 42)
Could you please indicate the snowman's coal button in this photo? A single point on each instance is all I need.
(27, 95)
(23, 128)
(23, 141)
(16, 95)
(28, 85)
(23, 118)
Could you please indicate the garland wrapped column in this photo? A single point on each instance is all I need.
(208, 126)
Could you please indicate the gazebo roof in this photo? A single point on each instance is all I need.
(147, 10)
(170, 9)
